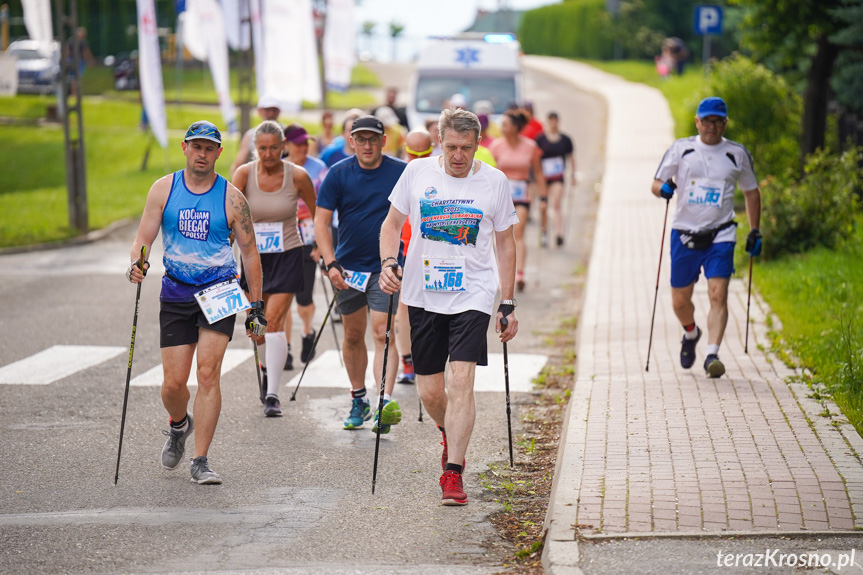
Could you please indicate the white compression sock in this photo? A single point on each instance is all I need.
(277, 353)
(712, 349)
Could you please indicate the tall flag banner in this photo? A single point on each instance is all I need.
(258, 46)
(37, 20)
(150, 71)
(205, 37)
(311, 85)
(339, 44)
(282, 39)
(235, 12)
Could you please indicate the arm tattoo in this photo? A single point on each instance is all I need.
(245, 222)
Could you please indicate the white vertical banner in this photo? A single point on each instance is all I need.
(205, 37)
(37, 19)
(339, 44)
(150, 71)
(258, 46)
(235, 12)
(311, 82)
(283, 42)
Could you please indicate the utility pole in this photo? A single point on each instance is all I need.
(66, 18)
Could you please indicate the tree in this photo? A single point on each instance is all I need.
(847, 82)
(396, 30)
(791, 35)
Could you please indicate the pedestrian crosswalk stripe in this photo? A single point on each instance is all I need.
(153, 377)
(56, 362)
(326, 371)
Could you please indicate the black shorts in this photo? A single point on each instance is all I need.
(304, 297)
(283, 272)
(179, 323)
(435, 336)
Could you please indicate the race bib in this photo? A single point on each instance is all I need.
(307, 231)
(222, 300)
(358, 280)
(444, 273)
(705, 192)
(553, 167)
(518, 189)
(268, 236)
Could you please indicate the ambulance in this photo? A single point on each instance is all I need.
(479, 67)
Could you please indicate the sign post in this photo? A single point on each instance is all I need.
(708, 22)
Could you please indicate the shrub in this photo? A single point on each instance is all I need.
(763, 112)
(574, 29)
(817, 209)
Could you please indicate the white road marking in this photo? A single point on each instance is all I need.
(326, 371)
(153, 377)
(56, 362)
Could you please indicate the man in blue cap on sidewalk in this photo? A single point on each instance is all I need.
(707, 168)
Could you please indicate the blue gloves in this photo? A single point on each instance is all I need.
(667, 189)
(753, 243)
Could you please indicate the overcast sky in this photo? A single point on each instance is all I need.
(422, 18)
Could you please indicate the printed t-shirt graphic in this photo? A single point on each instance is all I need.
(449, 221)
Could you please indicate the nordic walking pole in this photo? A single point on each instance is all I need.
(383, 387)
(314, 346)
(261, 390)
(748, 298)
(421, 410)
(503, 324)
(129, 370)
(332, 323)
(656, 294)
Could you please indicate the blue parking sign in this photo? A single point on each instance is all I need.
(708, 20)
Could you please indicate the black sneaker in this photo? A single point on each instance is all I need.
(559, 241)
(687, 350)
(307, 353)
(272, 407)
(289, 361)
(713, 366)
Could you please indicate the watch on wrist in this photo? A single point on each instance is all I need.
(385, 260)
(258, 305)
(512, 302)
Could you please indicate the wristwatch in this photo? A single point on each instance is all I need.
(512, 302)
(259, 305)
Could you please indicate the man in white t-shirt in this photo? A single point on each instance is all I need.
(459, 210)
(707, 168)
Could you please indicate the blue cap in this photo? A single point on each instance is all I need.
(203, 130)
(712, 106)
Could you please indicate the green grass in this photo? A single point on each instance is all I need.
(33, 197)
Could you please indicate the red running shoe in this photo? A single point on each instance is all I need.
(453, 491)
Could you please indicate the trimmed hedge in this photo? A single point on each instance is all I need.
(573, 29)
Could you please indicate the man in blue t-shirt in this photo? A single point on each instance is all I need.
(359, 188)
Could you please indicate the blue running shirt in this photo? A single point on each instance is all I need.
(195, 237)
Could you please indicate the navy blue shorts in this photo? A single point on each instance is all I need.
(686, 264)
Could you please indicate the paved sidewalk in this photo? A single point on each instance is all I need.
(669, 451)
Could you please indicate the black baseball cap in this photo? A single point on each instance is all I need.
(368, 123)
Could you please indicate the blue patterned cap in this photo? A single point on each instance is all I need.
(203, 130)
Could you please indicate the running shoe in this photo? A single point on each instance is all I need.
(392, 415)
(559, 241)
(407, 375)
(713, 366)
(263, 391)
(452, 488)
(289, 361)
(202, 474)
(272, 407)
(175, 446)
(687, 350)
(519, 281)
(361, 411)
(307, 353)
(543, 240)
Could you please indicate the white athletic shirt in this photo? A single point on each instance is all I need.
(453, 217)
(705, 177)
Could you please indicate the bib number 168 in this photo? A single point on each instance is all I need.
(453, 279)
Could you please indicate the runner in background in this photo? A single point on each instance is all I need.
(297, 152)
(273, 188)
(268, 109)
(516, 155)
(556, 148)
(327, 136)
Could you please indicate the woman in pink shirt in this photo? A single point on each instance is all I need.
(516, 156)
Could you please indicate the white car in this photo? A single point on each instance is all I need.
(37, 73)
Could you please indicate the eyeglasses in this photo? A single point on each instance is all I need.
(374, 140)
(714, 121)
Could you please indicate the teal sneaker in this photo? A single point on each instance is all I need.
(361, 412)
(392, 415)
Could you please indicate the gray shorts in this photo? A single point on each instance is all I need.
(351, 300)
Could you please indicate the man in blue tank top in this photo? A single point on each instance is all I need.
(196, 209)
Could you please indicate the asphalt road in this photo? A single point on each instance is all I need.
(297, 491)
